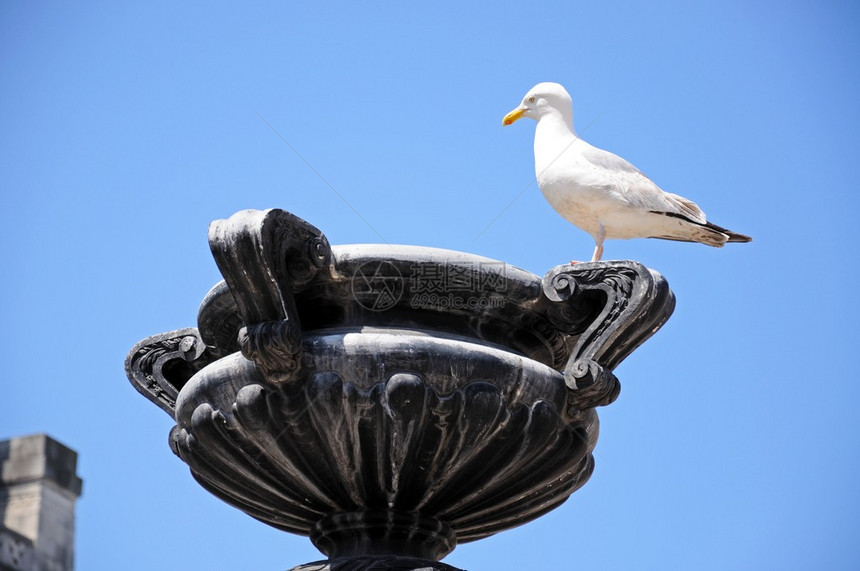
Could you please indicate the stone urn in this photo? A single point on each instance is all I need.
(391, 402)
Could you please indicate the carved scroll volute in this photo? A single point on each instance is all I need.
(636, 303)
(159, 366)
(264, 256)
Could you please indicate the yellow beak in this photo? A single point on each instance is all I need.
(513, 116)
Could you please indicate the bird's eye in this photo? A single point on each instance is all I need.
(531, 99)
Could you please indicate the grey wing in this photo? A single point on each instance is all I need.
(639, 190)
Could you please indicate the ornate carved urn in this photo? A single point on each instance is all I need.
(391, 402)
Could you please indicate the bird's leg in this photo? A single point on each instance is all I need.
(598, 242)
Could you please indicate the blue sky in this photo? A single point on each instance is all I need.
(125, 128)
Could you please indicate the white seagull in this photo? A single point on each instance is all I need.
(600, 192)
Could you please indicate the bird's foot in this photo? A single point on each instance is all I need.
(575, 262)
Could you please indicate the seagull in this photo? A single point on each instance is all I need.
(600, 192)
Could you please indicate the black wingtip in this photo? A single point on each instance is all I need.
(733, 236)
(738, 238)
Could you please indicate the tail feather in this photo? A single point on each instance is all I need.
(700, 234)
(707, 233)
(733, 236)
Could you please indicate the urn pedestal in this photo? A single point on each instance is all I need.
(391, 402)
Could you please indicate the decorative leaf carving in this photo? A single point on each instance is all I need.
(264, 257)
(471, 459)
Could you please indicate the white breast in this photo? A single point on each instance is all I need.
(580, 205)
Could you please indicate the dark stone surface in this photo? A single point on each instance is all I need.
(392, 401)
(376, 563)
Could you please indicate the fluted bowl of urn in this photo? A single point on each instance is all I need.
(391, 402)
